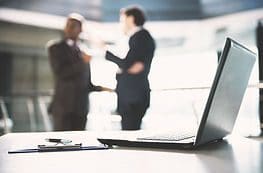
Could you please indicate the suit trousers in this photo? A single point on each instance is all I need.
(70, 122)
(132, 114)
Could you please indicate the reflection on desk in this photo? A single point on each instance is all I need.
(235, 154)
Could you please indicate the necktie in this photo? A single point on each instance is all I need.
(76, 49)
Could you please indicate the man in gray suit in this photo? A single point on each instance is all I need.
(71, 71)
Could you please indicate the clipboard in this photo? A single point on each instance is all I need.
(59, 148)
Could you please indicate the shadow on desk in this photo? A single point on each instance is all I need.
(232, 155)
(244, 156)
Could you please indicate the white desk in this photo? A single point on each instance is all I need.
(234, 155)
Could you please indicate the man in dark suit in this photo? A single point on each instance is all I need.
(71, 71)
(133, 88)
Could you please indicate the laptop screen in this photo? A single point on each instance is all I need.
(226, 93)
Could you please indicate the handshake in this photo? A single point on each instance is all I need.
(107, 89)
(87, 58)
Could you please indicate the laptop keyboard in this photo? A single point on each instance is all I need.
(169, 137)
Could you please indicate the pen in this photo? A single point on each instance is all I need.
(63, 141)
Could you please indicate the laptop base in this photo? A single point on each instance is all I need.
(144, 144)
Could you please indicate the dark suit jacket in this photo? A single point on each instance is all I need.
(72, 80)
(135, 88)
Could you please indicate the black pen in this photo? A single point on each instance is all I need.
(55, 140)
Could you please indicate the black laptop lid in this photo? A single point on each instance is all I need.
(227, 92)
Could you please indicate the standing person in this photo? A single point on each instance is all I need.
(71, 71)
(133, 90)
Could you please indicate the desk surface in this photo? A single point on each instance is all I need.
(236, 154)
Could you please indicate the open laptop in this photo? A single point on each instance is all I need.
(221, 109)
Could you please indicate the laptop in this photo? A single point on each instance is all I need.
(221, 109)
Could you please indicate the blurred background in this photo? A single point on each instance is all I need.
(190, 35)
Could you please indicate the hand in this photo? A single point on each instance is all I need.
(107, 89)
(86, 57)
(136, 68)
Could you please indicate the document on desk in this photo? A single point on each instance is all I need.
(59, 148)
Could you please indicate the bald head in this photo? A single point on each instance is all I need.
(73, 26)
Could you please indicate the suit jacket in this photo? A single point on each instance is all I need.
(130, 87)
(72, 80)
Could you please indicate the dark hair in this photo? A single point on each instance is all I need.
(136, 12)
